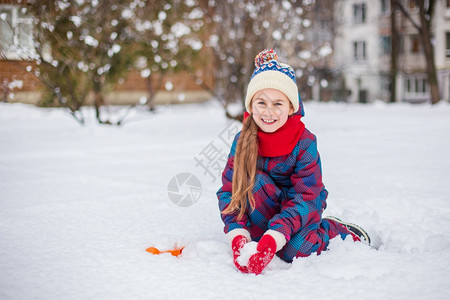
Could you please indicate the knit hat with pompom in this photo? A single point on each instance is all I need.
(271, 74)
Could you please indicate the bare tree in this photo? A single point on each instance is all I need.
(167, 37)
(57, 81)
(241, 29)
(426, 13)
(76, 50)
(394, 51)
(313, 53)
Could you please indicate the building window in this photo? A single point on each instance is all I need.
(16, 31)
(447, 9)
(417, 85)
(359, 50)
(386, 6)
(415, 43)
(385, 84)
(359, 13)
(386, 44)
(447, 44)
(416, 88)
(412, 5)
(363, 96)
(401, 43)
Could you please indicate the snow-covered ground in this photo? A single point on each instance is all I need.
(79, 206)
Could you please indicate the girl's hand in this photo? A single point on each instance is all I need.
(236, 245)
(266, 248)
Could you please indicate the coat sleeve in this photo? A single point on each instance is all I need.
(224, 194)
(306, 199)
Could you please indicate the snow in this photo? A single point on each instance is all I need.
(116, 48)
(62, 5)
(169, 86)
(305, 54)
(213, 40)
(76, 20)
(325, 50)
(90, 41)
(180, 29)
(113, 36)
(145, 73)
(127, 14)
(196, 13)
(162, 16)
(286, 5)
(195, 44)
(248, 250)
(80, 204)
(306, 23)
(277, 35)
(15, 84)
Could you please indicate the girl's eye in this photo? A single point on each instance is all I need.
(278, 104)
(261, 103)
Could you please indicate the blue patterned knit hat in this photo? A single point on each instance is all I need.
(271, 74)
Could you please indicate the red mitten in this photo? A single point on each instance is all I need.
(236, 245)
(266, 248)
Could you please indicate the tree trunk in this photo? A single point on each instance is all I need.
(151, 94)
(152, 89)
(429, 54)
(97, 104)
(424, 29)
(98, 100)
(394, 52)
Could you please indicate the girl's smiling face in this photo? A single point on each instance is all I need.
(270, 109)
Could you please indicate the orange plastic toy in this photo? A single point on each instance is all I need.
(174, 252)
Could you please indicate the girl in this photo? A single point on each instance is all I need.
(272, 189)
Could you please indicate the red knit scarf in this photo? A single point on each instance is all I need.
(282, 141)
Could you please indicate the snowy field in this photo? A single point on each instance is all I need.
(80, 204)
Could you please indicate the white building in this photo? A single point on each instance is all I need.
(356, 48)
(363, 47)
(442, 46)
